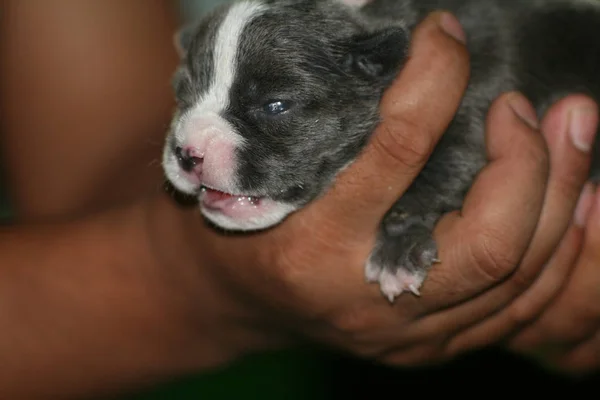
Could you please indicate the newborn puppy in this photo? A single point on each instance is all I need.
(277, 97)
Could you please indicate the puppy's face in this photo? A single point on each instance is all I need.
(273, 101)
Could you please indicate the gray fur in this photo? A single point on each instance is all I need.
(334, 63)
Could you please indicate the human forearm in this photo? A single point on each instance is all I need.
(85, 89)
(86, 307)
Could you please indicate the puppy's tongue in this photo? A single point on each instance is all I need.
(216, 199)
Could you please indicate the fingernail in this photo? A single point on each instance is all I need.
(452, 27)
(523, 109)
(582, 128)
(584, 205)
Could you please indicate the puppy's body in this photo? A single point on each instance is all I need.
(276, 97)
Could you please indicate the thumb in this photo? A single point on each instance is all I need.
(415, 111)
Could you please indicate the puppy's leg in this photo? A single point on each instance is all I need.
(404, 253)
(405, 249)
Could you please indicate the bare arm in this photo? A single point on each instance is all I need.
(94, 304)
(86, 98)
(87, 307)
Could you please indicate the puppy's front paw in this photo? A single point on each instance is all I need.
(401, 259)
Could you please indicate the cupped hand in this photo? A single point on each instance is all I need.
(306, 276)
(568, 127)
(567, 333)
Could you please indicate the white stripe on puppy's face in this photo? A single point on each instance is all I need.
(202, 131)
(210, 142)
(225, 54)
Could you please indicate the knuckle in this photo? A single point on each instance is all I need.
(521, 279)
(523, 312)
(520, 315)
(494, 256)
(404, 142)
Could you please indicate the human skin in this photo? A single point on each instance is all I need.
(86, 95)
(124, 287)
(566, 336)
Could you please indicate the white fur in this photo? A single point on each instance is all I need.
(276, 213)
(216, 100)
(171, 166)
(225, 54)
(174, 175)
(203, 126)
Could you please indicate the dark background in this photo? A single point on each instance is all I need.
(316, 375)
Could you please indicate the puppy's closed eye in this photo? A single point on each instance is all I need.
(277, 107)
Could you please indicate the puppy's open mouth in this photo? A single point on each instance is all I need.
(241, 212)
(217, 200)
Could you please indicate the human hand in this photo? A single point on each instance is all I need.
(569, 165)
(306, 276)
(567, 334)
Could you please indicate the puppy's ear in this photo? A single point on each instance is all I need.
(182, 39)
(376, 55)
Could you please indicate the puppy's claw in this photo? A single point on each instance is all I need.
(414, 290)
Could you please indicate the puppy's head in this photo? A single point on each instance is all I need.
(274, 98)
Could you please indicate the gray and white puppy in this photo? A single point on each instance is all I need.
(275, 97)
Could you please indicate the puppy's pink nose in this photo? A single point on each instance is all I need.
(188, 159)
